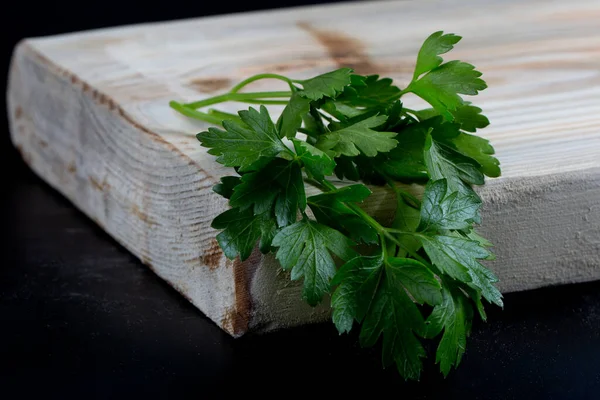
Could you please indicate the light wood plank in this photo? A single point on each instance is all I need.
(88, 111)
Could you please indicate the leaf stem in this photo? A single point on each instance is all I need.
(413, 254)
(189, 112)
(241, 97)
(257, 77)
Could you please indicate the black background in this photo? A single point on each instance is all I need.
(82, 318)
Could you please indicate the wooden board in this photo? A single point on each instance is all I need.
(89, 113)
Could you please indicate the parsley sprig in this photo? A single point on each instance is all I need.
(419, 277)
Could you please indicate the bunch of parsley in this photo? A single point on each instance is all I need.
(417, 278)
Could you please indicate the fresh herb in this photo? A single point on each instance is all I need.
(420, 276)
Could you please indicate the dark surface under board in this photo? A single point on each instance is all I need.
(81, 318)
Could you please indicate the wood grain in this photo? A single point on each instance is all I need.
(89, 113)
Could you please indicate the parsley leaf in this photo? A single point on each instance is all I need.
(329, 84)
(356, 281)
(304, 248)
(470, 118)
(405, 161)
(443, 162)
(458, 257)
(406, 219)
(441, 210)
(480, 150)
(225, 188)
(366, 94)
(317, 163)
(358, 138)
(330, 209)
(278, 188)
(241, 230)
(441, 86)
(243, 146)
(454, 316)
(437, 43)
(290, 119)
(375, 292)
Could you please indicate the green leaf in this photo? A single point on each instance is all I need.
(346, 168)
(358, 138)
(417, 279)
(367, 93)
(278, 188)
(304, 247)
(225, 188)
(393, 315)
(441, 87)
(454, 316)
(437, 43)
(356, 280)
(442, 210)
(480, 150)
(443, 162)
(328, 84)
(376, 295)
(470, 118)
(406, 219)
(458, 257)
(243, 146)
(241, 231)
(316, 163)
(483, 242)
(330, 209)
(405, 161)
(467, 117)
(291, 117)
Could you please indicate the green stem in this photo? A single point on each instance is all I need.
(265, 102)
(399, 192)
(399, 232)
(257, 77)
(359, 211)
(381, 230)
(412, 253)
(383, 247)
(241, 97)
(189, 112)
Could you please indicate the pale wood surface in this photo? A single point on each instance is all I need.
(89, 112)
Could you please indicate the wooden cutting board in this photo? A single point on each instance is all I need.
(89, 113)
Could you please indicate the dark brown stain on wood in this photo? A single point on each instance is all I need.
(212, 257)
(18, 112)
(344, 50)
(238, 318)
(210, 85)
(295, 66)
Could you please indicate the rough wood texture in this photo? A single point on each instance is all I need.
(88, 111)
